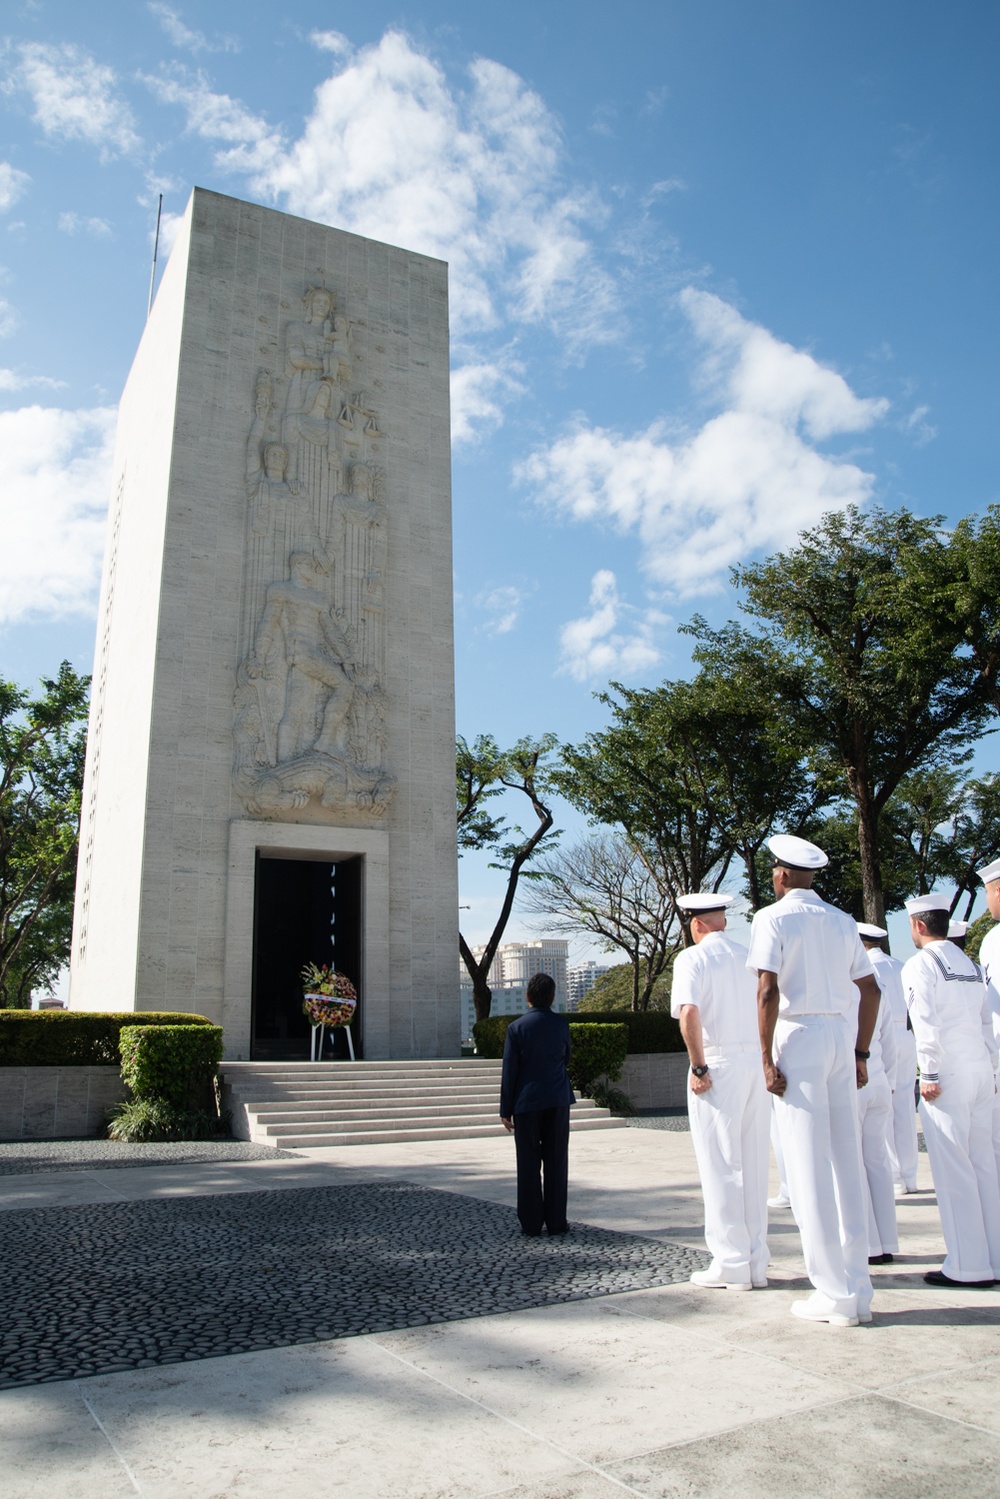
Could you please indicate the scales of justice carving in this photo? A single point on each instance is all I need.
(310, 705)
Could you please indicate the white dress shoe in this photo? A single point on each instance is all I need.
(810, 1311)
(709, 1281)
(900, 1189)
(778, 1202)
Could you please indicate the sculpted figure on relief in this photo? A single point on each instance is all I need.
(310, 708)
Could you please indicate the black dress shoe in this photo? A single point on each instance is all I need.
(531, 1233)
(555, 1233)
(880, 1259)
(938, 1278)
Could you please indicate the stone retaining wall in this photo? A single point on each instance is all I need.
(657, 1080)
(56, 1103)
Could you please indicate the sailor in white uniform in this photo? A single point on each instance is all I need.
(989, 960)
(957, 1055)
(875, 1118)
(715, 999)
(957, 933)
(811, 966)
(902, 1139)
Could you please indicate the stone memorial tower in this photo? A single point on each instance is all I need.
(270, 769)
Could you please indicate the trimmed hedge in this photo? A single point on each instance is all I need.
(648, 1031)
(598, 1051)
(174, 1063)
(74, 1038)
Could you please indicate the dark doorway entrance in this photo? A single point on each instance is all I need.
(305, 911)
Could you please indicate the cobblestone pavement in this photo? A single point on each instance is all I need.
(21, 1157)
(678, 1123)
(94, 1289)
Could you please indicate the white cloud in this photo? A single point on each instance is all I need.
(917, 426)
(749, 479)
(478, 390)
(75, 97)
(393, 151)
(52, 510)
(252, 144)
(8, 319)
(13, 185)
(500, 608)
(13, 380)
(593, 646)
(331, 41)
(75, 223)
(183, 36)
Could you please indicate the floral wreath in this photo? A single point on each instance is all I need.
(330, 997)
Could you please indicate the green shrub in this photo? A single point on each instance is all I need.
(977, 931)
(607, 1096)
(648, 1030)
(599, 1051)
(74, 1038)
(140, 1120)
(176, 1063)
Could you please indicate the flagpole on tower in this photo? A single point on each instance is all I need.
(156, 246)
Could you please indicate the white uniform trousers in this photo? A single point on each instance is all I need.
(875, 1120)
(818, 1120)
(903, 1133)
(779, 1159)
(958, 1128)
(996, 1124)
(729, 1130)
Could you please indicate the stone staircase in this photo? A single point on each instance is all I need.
(302, 1104)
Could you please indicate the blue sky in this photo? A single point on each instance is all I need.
(716, 268)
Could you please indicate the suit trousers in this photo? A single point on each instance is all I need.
(729, 1131)
(541, 1138)
(903, 1132)
(818, 1121)
(958, 1128)
(875, 1119)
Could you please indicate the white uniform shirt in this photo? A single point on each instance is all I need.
(713, 976)
(989, 958)
(889, 972)
(949, 1009)
(882, 1046)
(816, 952)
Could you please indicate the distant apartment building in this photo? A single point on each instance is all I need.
(513, 965)
(580, 980)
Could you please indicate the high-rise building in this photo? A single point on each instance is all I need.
(514, 963)
(580, 979)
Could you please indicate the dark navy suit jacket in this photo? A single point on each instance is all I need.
(535, 1057)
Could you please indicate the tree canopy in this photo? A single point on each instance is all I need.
(42, 748)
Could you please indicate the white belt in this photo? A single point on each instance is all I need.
(719, 1053)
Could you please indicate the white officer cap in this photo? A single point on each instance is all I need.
(922, 903)
(866, 929)
(989, 872)
(797, 853)
(700, 905)
(957, 928)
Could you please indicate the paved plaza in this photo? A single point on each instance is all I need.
(580, 1369)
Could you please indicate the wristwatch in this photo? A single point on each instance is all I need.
(864, 1055)
(701, 1071)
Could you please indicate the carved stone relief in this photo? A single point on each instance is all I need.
(310, 706)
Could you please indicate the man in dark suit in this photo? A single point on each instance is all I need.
(535, 1099)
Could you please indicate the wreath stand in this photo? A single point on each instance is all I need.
(316, 1045)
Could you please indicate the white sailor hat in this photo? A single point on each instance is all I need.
(700, 905)
(796, 853)
(865, 929)
(957, 928)
(922, 903)
(989, 872)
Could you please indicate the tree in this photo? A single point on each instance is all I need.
(860, 639)
(484, 772)
(607, 886)
(613, 990)
(626, 775)
(975, 596)
(42, 747)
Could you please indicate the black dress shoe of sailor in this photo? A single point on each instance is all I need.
(938, 1278)
(880, 1259)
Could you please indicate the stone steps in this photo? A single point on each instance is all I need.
(298, 1104)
